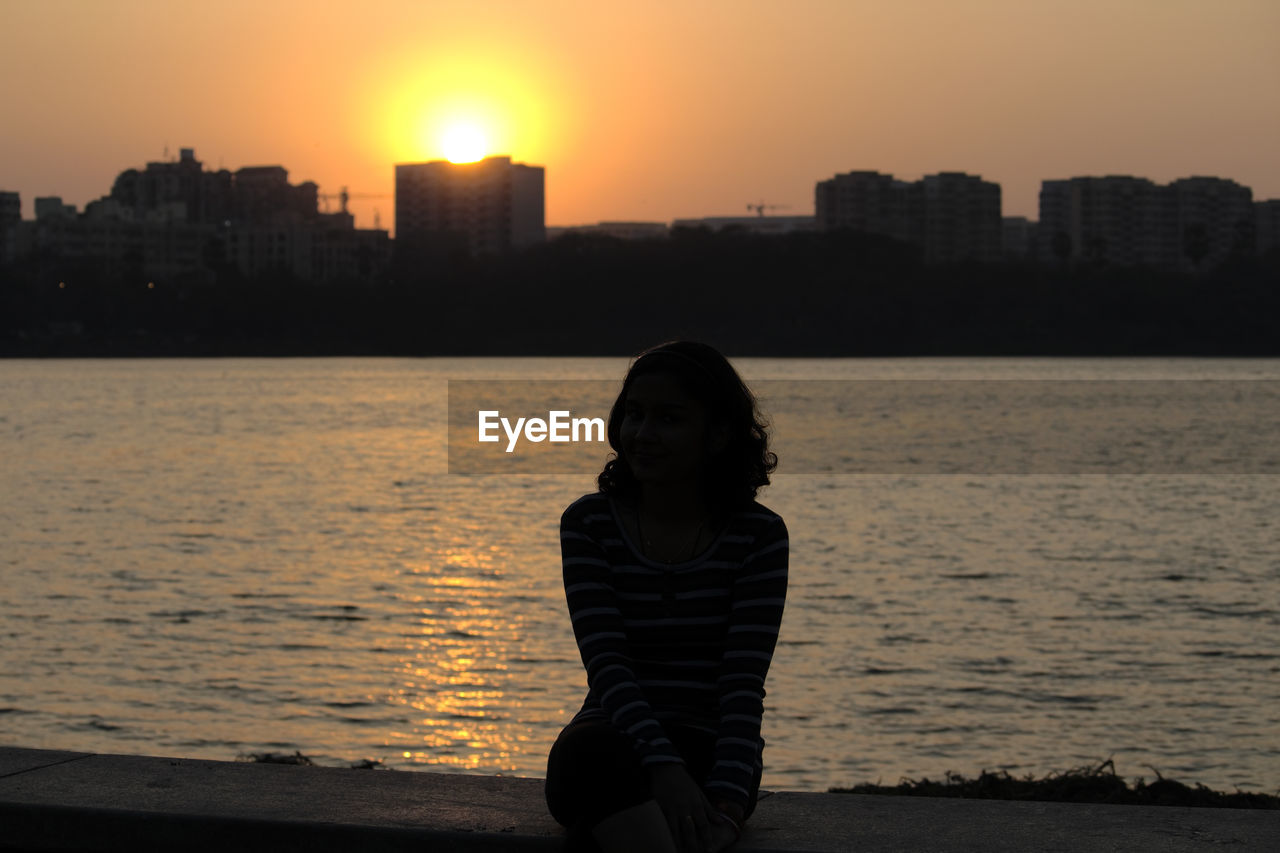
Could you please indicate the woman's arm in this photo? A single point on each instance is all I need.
(602, 642)
(759, 593)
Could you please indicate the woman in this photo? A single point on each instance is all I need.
(675, 579)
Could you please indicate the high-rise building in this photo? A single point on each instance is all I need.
(183, 191)
(1116, 219)
(10, 218)
(1215, 221)
(1190, 224)
(175, 219)
(10, 208)
(175, 191)
(865, 201)
(1017, 240)
(951, 216)
(263, 195)
(1267, 226)
(960, 215)
(51, 207)
(487, 207)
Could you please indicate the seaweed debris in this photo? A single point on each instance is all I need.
(277, 758)
(369, 764)
(299, 759)
(1089, 784)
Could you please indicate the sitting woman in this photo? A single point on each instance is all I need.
(675, 579)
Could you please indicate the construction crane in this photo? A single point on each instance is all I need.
(343, 196)
(761, 207)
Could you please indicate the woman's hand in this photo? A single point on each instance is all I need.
(731, 817)
(695, 824)
(733, 810)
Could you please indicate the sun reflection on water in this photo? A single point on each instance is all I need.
(454, 666)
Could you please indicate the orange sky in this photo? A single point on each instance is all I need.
(644, 110)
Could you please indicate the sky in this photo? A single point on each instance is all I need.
(644, 111)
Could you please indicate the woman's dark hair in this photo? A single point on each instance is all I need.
(735, 473)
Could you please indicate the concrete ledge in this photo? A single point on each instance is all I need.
(84, 802)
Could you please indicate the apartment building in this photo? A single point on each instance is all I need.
(951, 216)
(487, 207)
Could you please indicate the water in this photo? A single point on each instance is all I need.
(210, 558)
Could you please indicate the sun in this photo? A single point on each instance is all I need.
(463, 142)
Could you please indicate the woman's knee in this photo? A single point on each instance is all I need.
(594, 743)
(593, 771)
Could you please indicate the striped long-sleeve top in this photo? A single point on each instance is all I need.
(688, 643)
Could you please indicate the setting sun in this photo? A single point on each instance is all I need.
(470, 102)
(463, 143)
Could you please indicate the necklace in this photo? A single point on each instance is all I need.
(647, 546)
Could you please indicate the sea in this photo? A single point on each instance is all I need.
(1029, 565)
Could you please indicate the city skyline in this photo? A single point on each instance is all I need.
(492, 206)
(645, 114)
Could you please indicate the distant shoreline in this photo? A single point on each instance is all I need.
(70, 350)
(807, 296)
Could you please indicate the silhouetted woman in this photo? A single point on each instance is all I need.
(675, 579)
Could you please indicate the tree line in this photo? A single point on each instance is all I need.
(822, 294)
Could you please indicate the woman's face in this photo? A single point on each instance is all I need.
(664, 431)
